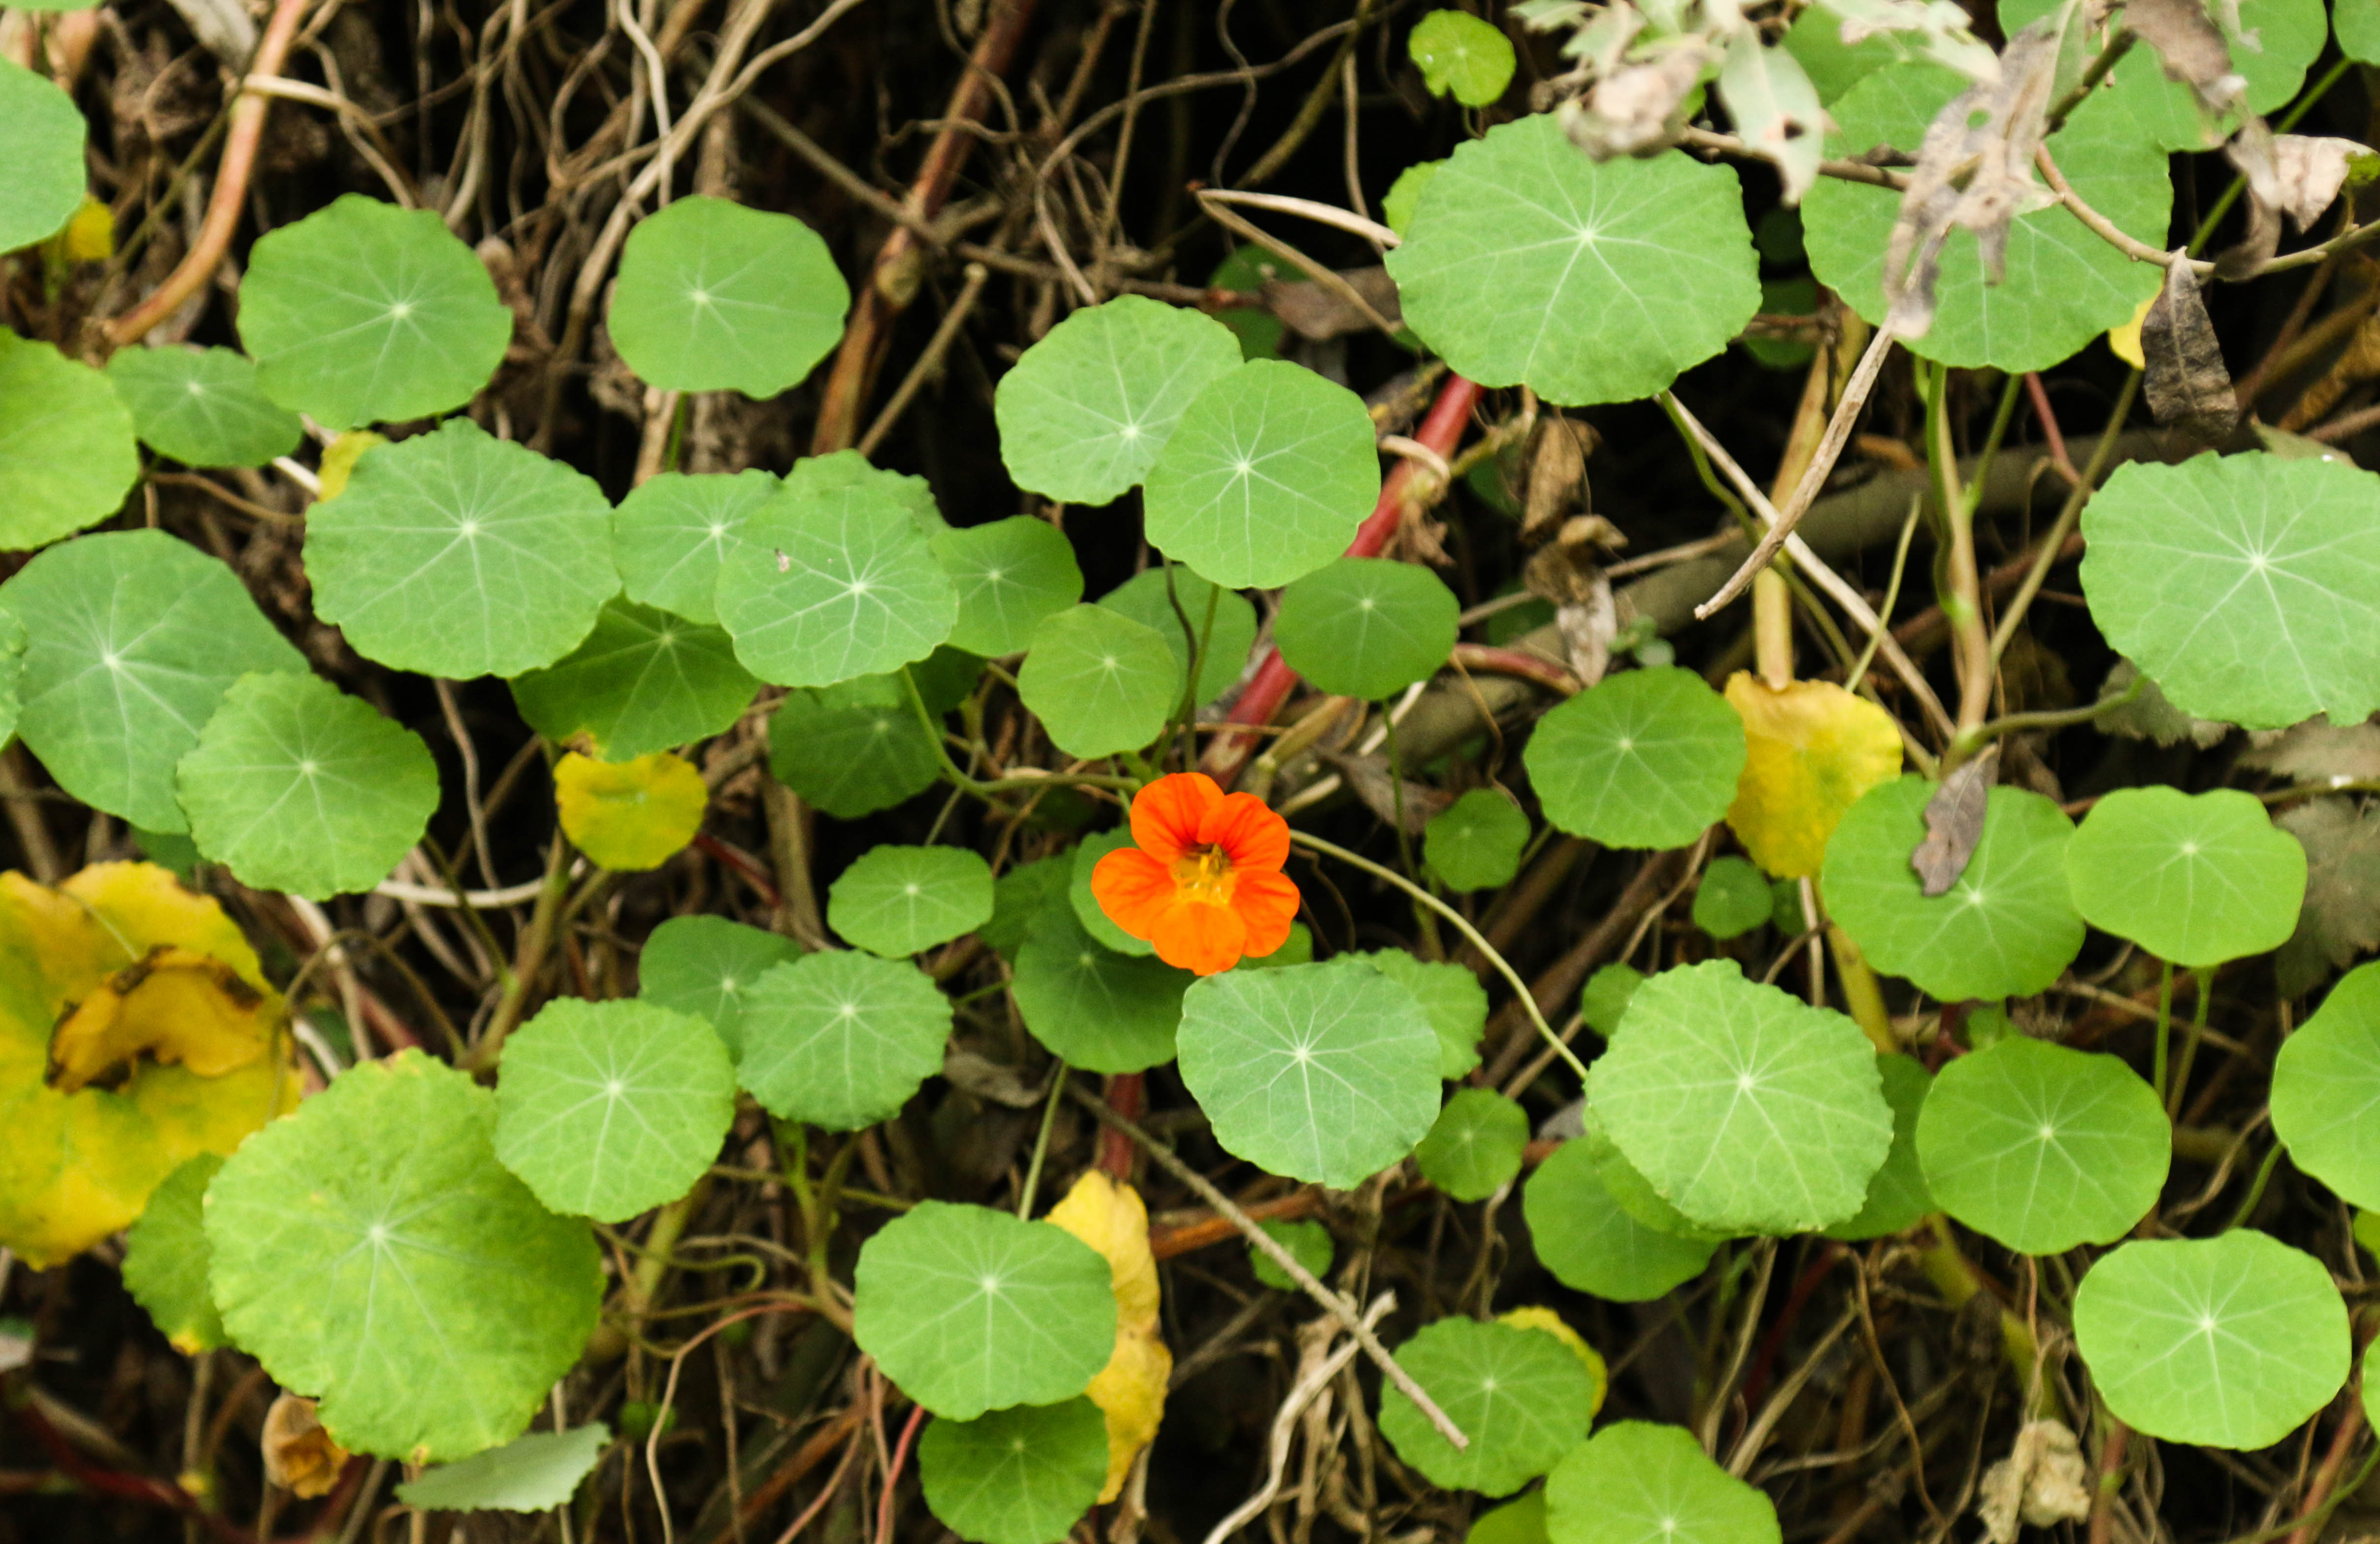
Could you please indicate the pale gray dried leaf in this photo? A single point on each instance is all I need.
(2311, 169)
(1316, 312)
(1954, 823)
(2193, 50)
(988, 1079)
(1776, 109)
(2150, 715)
(2319, 751)
(1370, 779)
(1938, 30)
(1557, 475)
(2042, 1481)
(2187, 385)
(1637, 108)
(2340, 916)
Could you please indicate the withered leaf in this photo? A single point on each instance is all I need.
(2042, 1481)
(2187, 385)
(299, 1457)
(2311, 169)
(1776, 109)
(1557, 475)
(1954, 823)
(1639, 108)
(2319, 751)
(1316, 312)
(2340, 918)
(171, 1005)
(1371, 778)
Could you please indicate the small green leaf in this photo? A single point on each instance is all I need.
(1096, 1008)
(1266, 477)
(671, 534)
(165, 1259)
(1521, 1396)
(1607, 995)
(202, 406)
(371, 1253)
(610, 1109)
(1016, 1477)
(1732, 899)
(1142, 598)
(643, 681)
(1397, 205)
(533, 1473)
(295, 785)
(841, 1040)
(1367, 626)
(895, 901)
(1519, 1521)
(707, 965)
(2325, 1083)
(1640, 1483)
(1475, 842)
(67, 453)
(1462, 55)
(1018, 899)
(1259, 332)
(1451, 998)
(1648, 759)
(2044, 1147)
(714, 297)
(2229, 1342)
(455, 553)
(2356, 23)
(41, 135)
(1475, 1148)
(852, 749)
(1896, 1197)
(1591, 1244)
(969, 1310)
(1308, 1243)
(2195, 879)
(1100, 682)
(363, 312)
(1086, 410)
(1010, 575)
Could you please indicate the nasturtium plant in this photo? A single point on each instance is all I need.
(841, 1040)
(1638, 1483)
(1397, 205)
(715, 296)
(66, 455)
(707, 966)
(166, 1259)
(1451, 998)
(1583, 1236)
(1529, 264)
(629, 815)
(362, 312)
(1521, 1521)
(202, 406)
(1018, 899)
(1086, 410)
(2193, 878)
(1522, 1397)
(1603, 1002)
(41, 136)
(852, 749)
(1635, 1193)
(672, 532)
(1732, 898)
(1307, 1242)
(535, 1472)
(2043, 1147)
(1011, 574)
(2229, 1342)
(2325, 1082)
(1896, 1197)
(643, 681)
(1094, 1007)
(1367, 626)
(1227, 639)
(1100, 682)
(895, 901)
(1020, 1475)
(1475, 842)
(372, 1254)
(1646, 759)
(1475, 1148)
(1461, 56)
(1812, 751)
(969, 1310)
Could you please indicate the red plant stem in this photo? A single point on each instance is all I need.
(893, 1475)
(2049, 430)
(1127, 1095)
(1757, 1383)
(1271, 687)
(705, 842)
(1491, 661)
(115, 1482)
(2342, 1442)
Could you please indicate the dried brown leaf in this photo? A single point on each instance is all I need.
(2340, 918)
(1640, 108)
(2042, 1481)
(1318, 311)
(299, 1457)
(1954, 823)
(2187, 385)
(1371, 778)
(2312, 170)
(2320, 751)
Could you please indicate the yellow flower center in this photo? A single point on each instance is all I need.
(1204, 875)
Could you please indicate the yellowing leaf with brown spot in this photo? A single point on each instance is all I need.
(137, 1031)
(1130, 1390)
(1811, 751)
(630, 814)
(1552, 1323)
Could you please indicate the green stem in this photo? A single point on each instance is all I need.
(2256, 1191)
(1891, 595)
(1969, 741)
(2000, 420)
(521, 978)
(1032, 1185)
(1423, 918)
(2189, 1043)
(957, 777)
(2045, 557)
(2163, 1025)
(1960, 585)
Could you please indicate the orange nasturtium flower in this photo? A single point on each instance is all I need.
(1204, 882)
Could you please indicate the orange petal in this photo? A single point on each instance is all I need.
(1267, 905)
(1134, 889)
(1200, 937)
(1166, 814)
(1248, 830)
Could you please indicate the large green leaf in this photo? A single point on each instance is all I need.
(2326, 1085)
(670, 535)
(1086, 410)
(1010, 575)
(841, 1040)
(533, 1473)
(643, 681)
(1326, 1073)
(2004, 928)
(2229, 1342)
(41, 135)
(67, 453)
(1100, 681)
(1094, 1007)
(854, 749)
(202, 406)
(715, 296)
(1896, 1197)
(2248, 585)
(1648, 759)
(363, 312)
(1266, 477)
(455, 553)
(705, 966)
(1475, 842)
(1639, 1483)
(1451, 998)
(295, 785)
(1476, 1147)
(2195, 879)
(2042, 1146)
(1023, 1475)
(1591, 1244)
(1522, 1397)
(1748, 1109)
(1529, 264)
(1367, 626)
(894, 901)
(969, 1310)
(372, 1254)
(166, 1259)
(1233, 632)
(132, 637)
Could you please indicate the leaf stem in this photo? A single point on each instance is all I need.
(1032, 1185)
(2189, 1044)
(2164, 1024)
(1960, 585)
(2046, 556)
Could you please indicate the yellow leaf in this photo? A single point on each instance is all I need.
(1131, 1388)
(630, 814)
(1535, 1317)
(1812, 750)
(90, 236)
(340, 459)
(2125, 341)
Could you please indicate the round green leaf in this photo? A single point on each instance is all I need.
(363, 312)
(2229, 1342)
(295, 785)
(1475, 1148)
(610, 1109)
(2248, 585)
(2004, 928)
(1896, 1197)
(373, 1255)
(1397, 205)
(455, 553)
(2044, 1147)
(2195, 879)
(132, 637)
(854, 749)
(1326, 1073)
(1648, 759)
(165, 1259)
(705, 966)
(832, 580)
(1228, 638)
(670, 535)
(41, 135)
(1631, 1190)
(1093, 1007)
(1086, 410)
(66, 455)
(1010, 575)
(1585, 1237)
(1521, 1396)
(1732, 899)
(1529, 264)
(1308, 1243)
(1639, 1483)
(533, 1473)
(202, 406)
(2326, 1083)
(895, 901)
(1606, 996)
(1020, 896)
(1100, 682)
(1085, 905)
(969, 1310)
(2357, 25)
(1367, 626)
(1460, 53)
(841, 1040)
(1016, 1477)
(1748, 1109)
(643, 681)
(1451, 998)
(1517, 1522)
(1475, 842)
(714, 297)
(1266, 477)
